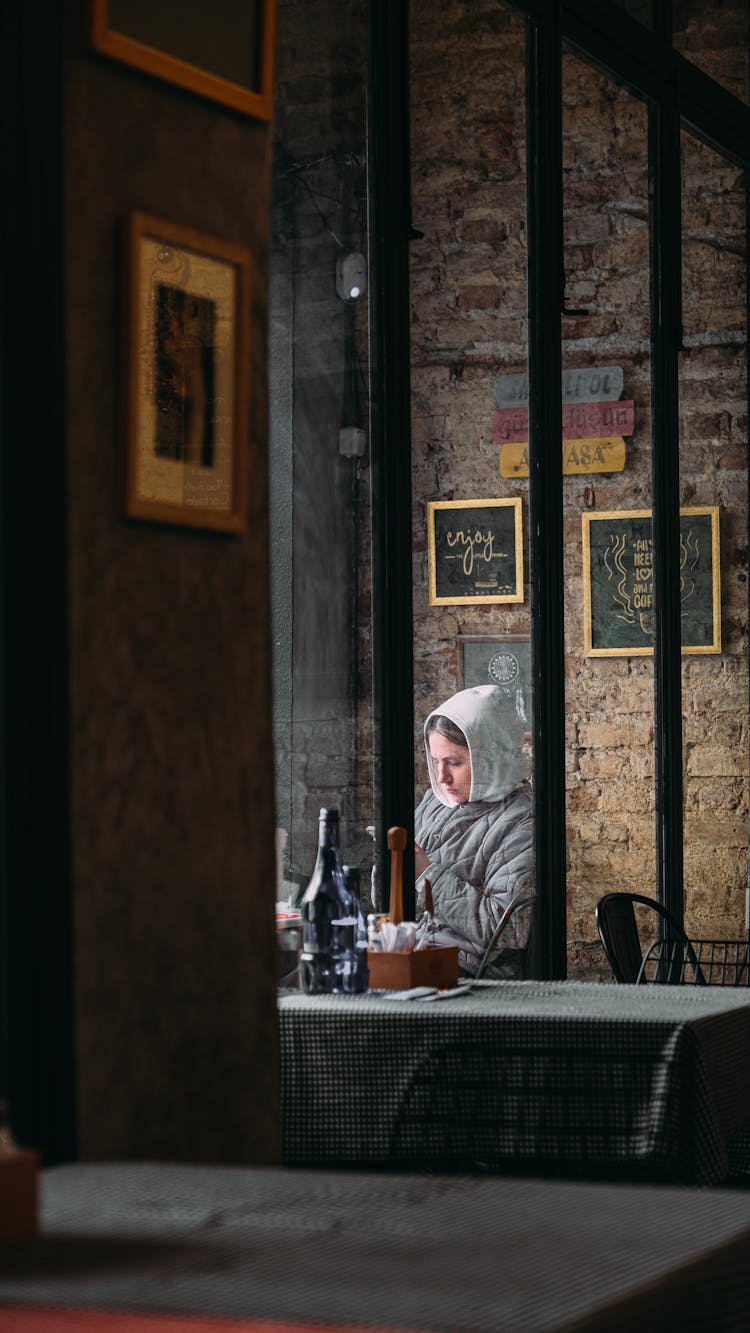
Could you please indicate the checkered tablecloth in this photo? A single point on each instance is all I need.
(564, 1078)
(371, 1252)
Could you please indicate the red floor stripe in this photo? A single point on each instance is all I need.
(27, 1319)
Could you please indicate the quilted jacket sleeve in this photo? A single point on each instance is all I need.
(472, 885)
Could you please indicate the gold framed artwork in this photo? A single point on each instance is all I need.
(223, 51)
(475, 551)
(186, 354)
(618, 615)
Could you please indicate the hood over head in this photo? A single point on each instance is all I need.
(494, 736)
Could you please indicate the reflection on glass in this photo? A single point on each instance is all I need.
(713, 472)
(320, 489)
(715, 36)
(606, 461)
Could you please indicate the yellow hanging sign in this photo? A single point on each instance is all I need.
(601, 454)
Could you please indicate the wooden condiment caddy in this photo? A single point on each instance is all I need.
(436, 965)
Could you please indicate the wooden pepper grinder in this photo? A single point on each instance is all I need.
(396, 847)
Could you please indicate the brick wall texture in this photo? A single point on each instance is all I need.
(468, 301)
(468, 317)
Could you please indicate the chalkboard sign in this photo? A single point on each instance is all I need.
(618, 582)
(475, 551)
(503, 660)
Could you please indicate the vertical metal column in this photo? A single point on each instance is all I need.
(666, 338)
(546, 287)
(747, 482)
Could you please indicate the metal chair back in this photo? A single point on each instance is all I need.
(618, 931)
(719, 962)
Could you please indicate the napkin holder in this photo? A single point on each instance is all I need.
(392, 969)
(436, 965)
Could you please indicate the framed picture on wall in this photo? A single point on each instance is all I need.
(618, 601)
(186, 353)
(223, 51)
(475, 551)
(503, 660)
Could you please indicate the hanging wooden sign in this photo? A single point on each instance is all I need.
(600, 454)
(594, 421)
(586, 384)
(580, 421)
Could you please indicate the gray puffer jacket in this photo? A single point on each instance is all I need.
(481, 852)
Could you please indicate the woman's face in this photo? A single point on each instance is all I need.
(451, 766)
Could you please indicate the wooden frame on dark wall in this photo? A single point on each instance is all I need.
(186, 303)
(238, 72)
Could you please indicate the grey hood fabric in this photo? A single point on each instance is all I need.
(490, 723)
(481, 852)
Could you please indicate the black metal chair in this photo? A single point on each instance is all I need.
(510, 912)
(618, 930)
(720, 962)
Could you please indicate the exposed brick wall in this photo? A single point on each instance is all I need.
(468, 297)
(469, 325)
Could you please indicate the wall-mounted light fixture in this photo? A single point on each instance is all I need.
(351, 276)
(352, 441)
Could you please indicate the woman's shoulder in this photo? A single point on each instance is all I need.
(428, 807)
(516, 803)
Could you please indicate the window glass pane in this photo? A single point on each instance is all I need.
(320, 463)
(470, 431)
(715, 36)
(606, 455)
(637, 9)
(713, 477)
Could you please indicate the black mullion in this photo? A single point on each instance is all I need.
(747, 483)
(718, 117)
(617, 42)
(36, 956)
(392, 612)
(545, 296)
(666, 338)
(647, 64)
(662, 20)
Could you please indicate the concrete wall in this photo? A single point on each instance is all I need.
(321, 547)
(171, 747)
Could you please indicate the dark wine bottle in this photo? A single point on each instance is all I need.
(328, 962)
(362, 970)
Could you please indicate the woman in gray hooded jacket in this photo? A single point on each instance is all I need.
(474, 828)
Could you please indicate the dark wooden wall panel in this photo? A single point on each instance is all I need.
(171, 750)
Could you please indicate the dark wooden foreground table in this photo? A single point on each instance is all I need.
(387, 1251)
(566, 1078)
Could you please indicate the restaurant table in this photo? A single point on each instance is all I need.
(560, 1077)
(282, 1250)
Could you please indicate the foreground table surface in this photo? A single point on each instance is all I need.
(571, 1078)
(386, 1251)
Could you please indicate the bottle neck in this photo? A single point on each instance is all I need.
(328, 828)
